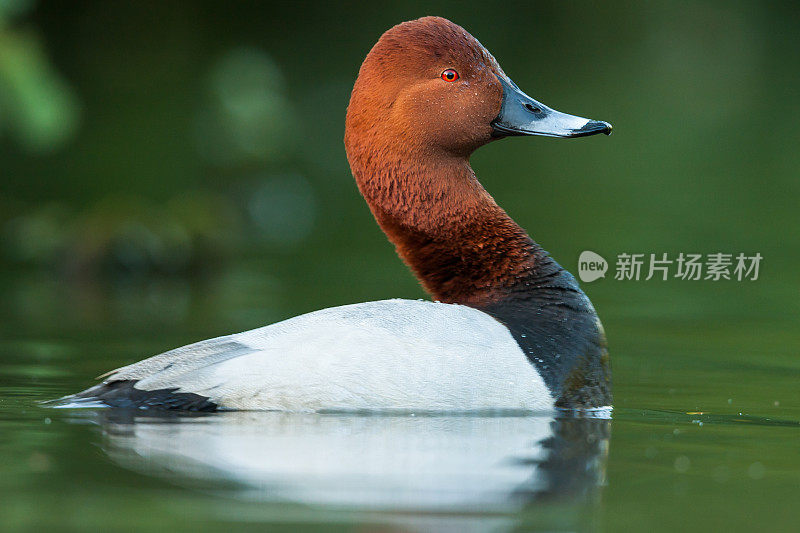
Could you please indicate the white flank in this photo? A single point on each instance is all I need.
(386, 355)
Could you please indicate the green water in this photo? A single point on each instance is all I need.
(139, 213)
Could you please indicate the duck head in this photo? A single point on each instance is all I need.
(431, 84)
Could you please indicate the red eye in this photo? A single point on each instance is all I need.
(449, 75)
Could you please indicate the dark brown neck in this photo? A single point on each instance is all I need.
(460, 244)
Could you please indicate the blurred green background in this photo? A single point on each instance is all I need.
(170, 139)
(171, 171)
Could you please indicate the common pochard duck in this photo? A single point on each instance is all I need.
(509, 328)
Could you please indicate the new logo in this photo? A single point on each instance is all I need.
(591, 266)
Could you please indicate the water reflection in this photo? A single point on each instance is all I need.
(475, 463)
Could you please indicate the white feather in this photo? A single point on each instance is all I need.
(390, 354)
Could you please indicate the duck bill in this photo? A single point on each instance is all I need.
(522, 115)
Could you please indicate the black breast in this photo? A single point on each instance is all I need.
(557, 328)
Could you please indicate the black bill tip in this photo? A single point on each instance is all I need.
(593, 127)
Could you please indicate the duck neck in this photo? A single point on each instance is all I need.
(465, 249)
(452, 234)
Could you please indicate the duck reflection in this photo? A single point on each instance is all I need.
(495, 463)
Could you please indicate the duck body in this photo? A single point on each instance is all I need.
(510, 329)
(385, 355)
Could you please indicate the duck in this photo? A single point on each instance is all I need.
(507, 329)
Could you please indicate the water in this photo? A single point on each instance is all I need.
(692, 444)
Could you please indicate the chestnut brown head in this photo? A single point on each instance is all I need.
(429, 85)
